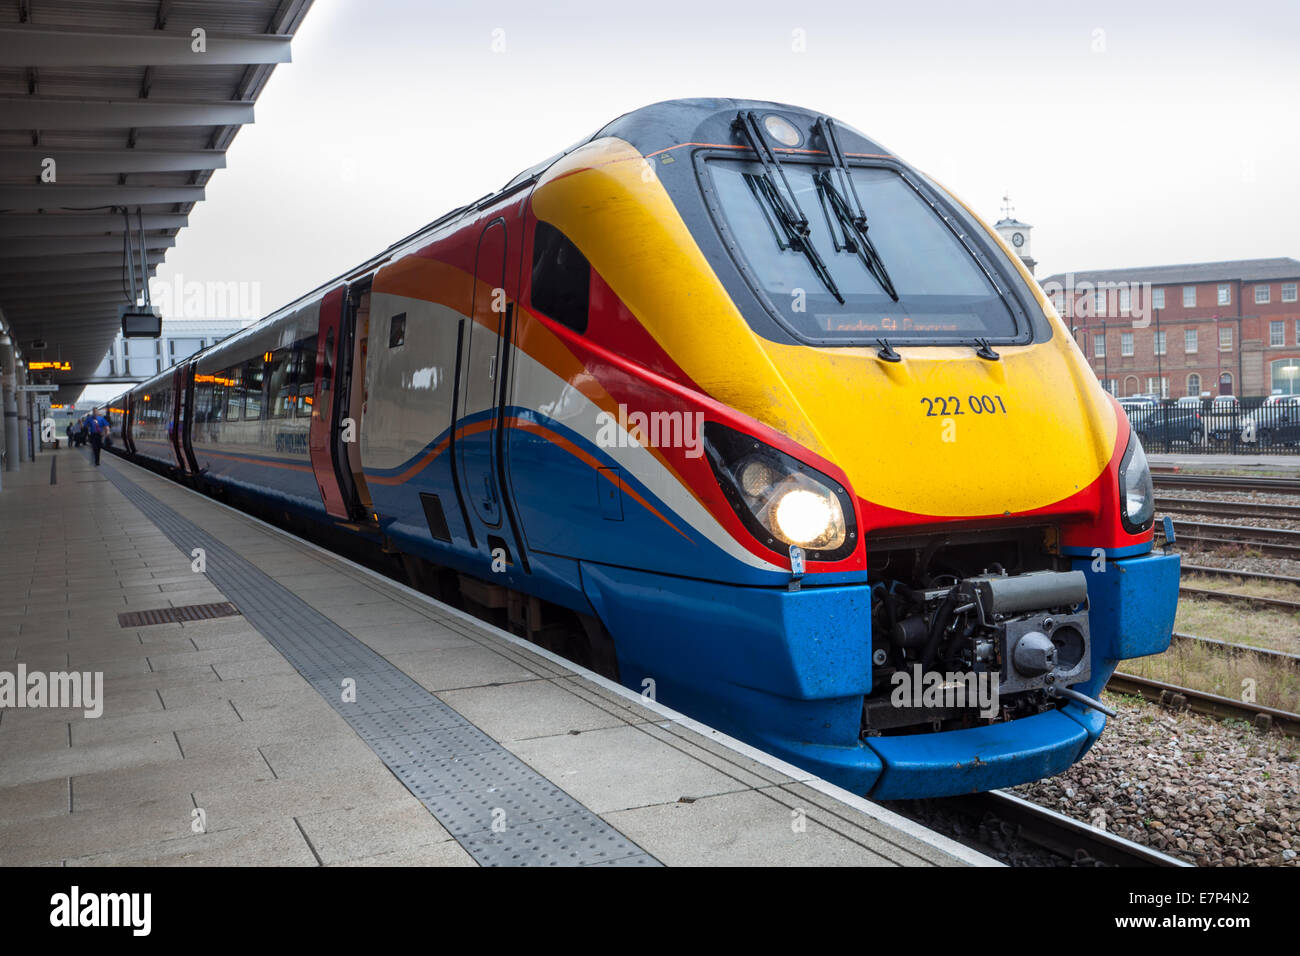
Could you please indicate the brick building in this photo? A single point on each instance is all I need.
(1209, 328)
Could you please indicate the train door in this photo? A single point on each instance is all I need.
(186, 422)
(128, 423)
(480, 416)
(325, 407)
(176, 424)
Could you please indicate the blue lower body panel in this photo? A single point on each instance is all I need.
(981, 758)
(787, 671)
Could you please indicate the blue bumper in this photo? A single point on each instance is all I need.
(787, 671)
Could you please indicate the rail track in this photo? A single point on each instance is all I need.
(1201, 702)
(1234, 509)
(1063, 836)
(1210, 572)
(1280, 542)
(1174, 479)
(1232, 597)
(1264, 653)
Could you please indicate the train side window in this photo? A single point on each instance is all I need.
(306, 350)
(561, 278)
(234, 393)
(218, 410)
(253, 372)
(280, 387)
(397, 330)
(327, 366)
(202, 399)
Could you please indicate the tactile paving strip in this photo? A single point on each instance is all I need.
(498, 808)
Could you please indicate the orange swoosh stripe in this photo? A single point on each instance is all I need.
(544, 432)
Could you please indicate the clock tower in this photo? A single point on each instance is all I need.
(1016, 234)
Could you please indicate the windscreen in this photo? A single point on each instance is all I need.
(943, 294)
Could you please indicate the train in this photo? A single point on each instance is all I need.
(731, 404)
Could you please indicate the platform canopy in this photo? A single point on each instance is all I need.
(128, 111)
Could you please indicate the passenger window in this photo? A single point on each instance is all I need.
(397, 330)
(306, 378)
(561, 278)
(253, 372)
(234, 393)
(327, 370)
(218, 410)
(202, 399)
(280, 387)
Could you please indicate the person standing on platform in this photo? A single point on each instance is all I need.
(97, 425)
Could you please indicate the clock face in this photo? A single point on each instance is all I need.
(1017, 239)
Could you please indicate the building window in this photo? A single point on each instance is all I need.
(1277, 333)
(1189, 341)
(1125, 300)
(1194, 385)
(1288, 292)
(1160, 343)
(1285, 374)
(1099, 346)
(1262, 294)
(1225, 297)
(1100, 302)
(1297, 331)
(1225, 340)
(1126, 343)
(1158, 386)
(141, 357)
(1189, 296)
(1158, 298)
(182, 349)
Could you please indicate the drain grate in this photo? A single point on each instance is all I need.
(175, 615)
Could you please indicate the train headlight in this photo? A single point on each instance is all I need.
(779, 499)
(808, 519)
(1137, 494)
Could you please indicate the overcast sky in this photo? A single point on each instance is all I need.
(1126, 137)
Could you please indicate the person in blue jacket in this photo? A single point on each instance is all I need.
(97, 426)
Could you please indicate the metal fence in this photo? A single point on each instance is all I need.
(1250, 426)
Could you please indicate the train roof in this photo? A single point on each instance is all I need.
(706, 122)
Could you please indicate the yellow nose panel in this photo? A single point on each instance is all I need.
(946, 433)
(941, 433)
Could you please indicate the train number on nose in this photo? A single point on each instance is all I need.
(941, 405)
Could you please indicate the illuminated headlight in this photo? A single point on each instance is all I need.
(1136, 493)
(779, 499)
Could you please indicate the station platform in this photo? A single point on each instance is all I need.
(334, 716)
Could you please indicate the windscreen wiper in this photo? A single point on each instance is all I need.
(785, 207)
(852, 220)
